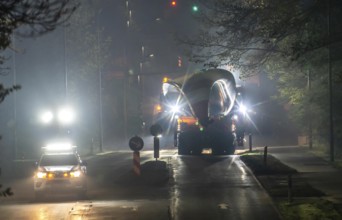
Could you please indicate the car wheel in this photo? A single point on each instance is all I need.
(82, 194)
(39, 196)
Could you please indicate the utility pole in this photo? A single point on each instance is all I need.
(330, 81)
(14, 101)
(65, 65)
(126, 74)
(309, 110)
(100, 83)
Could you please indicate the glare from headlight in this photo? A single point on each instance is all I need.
(41, 175)
(243, 109)
(66, 115)
(75, 173)
(46, 117)
(235, 117)
(175, 109)
(59, 147)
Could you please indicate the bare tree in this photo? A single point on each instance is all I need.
(29, 18)
(33, 17)
(247, 33)
(297, 42)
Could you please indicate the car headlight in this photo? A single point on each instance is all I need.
(41, 175)
(76, 173)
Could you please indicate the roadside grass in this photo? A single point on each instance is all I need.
(322, 152)
(308, 210)
(271, 166)
(338, 163)
(303, 203)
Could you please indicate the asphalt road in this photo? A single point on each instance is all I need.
(203, 187)
(211, 187)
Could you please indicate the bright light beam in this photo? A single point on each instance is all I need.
(46, 117)
(175, 109)
(66, 115)
(243, 109)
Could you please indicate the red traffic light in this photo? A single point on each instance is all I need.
(173, 3)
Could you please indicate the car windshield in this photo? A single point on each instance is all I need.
(58, 160)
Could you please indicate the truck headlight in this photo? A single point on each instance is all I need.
(175, 109)
(243, 109)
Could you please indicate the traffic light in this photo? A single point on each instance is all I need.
(173, 3)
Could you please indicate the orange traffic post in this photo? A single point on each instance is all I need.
(136, 143)
(136, 163)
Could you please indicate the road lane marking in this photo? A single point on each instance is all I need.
(223, 206)
(81, 209)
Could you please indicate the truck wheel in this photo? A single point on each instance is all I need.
(175, 139)
(182, 151)
(223, 144)
(183, 145)
(82, 194)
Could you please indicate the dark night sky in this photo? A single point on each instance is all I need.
(40, 66)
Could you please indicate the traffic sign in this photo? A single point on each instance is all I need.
(136, 143)
(156, 130)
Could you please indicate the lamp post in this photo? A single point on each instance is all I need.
(126, 57)
(330, 82)
(65, 64)
(309, 111)
(14, 101)
(99, 71)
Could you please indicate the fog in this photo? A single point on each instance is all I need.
(67, 66)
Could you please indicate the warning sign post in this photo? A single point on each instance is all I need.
(136, 144)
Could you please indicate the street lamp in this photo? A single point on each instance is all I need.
(99, 66)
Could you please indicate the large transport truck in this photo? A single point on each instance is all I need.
(201, 112)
